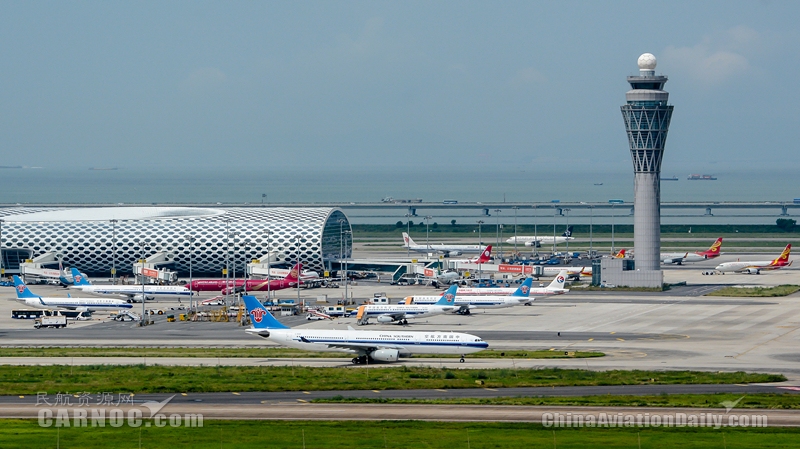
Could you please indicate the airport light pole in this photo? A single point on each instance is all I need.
(554, 230)
(190, 238)
(233, 262)
(497, 232)
(141, 275)
(299, 268)
(591, 219)
(227, 260)
(341, 240)
(246, 264)
(567, 238)
(346, 299)
(516, 208)
(269, 258)
(427, 232)
(480, 243)
(114, 251)
(535, 235)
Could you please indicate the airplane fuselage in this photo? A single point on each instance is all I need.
(407, 343)
(91, 304)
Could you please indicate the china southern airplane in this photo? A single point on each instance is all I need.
(447, 250)
(132, 292)
(756, 267)
(697, 256)
(401, 313)
(368, 346)
(24, 295)
(465, 303)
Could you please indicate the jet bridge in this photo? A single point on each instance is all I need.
(149, 268)
(37, 268)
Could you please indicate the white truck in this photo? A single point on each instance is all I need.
(50, 321)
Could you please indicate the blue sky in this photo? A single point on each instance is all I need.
(447, 84)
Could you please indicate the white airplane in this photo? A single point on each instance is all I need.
(572, 272)
(27, 297)
(384, 346)
(756, 267)
(465, 303)
(401, 313)
(539, 240)
(484, 257)
(556, 287)
(697, 256)
(447, 250)
(132, 292)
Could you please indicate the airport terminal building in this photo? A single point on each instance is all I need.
(95, 239)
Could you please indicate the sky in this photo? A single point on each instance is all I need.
(444, 85)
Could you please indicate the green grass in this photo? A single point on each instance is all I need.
(256, 434)
(762, 292)
(20, 380)
(762, 401)
(262, 352)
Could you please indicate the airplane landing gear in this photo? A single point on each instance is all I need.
(462, 359)
(360, 360)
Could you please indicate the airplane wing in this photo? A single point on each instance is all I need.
(364, 348)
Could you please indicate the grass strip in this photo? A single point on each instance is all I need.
(268, 352)
(20, 380)
(756, 292)
(787, 401)
(256, 434)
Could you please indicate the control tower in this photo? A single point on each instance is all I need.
(647, 115)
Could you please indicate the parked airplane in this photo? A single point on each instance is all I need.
(467, 302)
(27, 297)
(401, 313)
(619, 255)
(697, 256)
(221, 285)
(756, 267)
(132, 292)
(538, 240)
(572, 271)
(447, 250)
(556, 287)
(384, 346)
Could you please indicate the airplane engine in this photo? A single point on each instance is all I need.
(386, 355)
(82, 309)
(385, 319)
(454, 253)
(138, 298)
(753, 271)
(534, 243)
(667, 260)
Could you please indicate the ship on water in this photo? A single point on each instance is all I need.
(671, 178)
(702, 178)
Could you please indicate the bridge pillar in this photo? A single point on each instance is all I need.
(784, 211)
(632, 210)
(412, 211)
(708, 212)
(486, 212)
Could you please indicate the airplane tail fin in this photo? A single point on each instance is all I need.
(448, 298)
(558, 282)
(620, 254)
(78, 278)
(260, 316)
(525, 289)
(783, 259)
(408, 241)
(22, 289)
(294, 273)
(715, 248)
(568, 232)
(485, 255)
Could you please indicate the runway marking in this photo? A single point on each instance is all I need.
(184, 394)
(376, 391)
(612, 333)
(22, 396)
(490, 389)
(438, 389)
(620, 339)
(764, 343)
(791, 388)
(305, 392)
(237, 394)
(591, 339)
(302, 400)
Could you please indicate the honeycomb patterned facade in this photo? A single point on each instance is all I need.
(115, 235)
